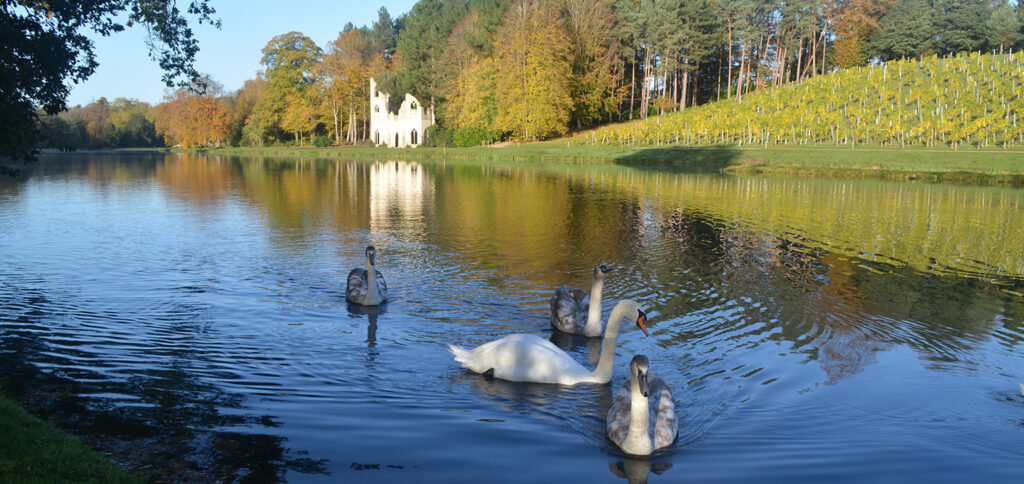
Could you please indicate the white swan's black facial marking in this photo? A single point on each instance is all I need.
(604, 269)
(641, 321)
(371, 253)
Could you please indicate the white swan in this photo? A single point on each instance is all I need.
(1021, 385)
(629, 415)
(367, 286)
(529, 358)
(573, 311)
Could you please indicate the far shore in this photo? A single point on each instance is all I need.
(989, 166)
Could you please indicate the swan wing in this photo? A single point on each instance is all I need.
(569, 309)
(665, 427)
(523, 357)
(357, 286)
(382, 287)
(618, 415)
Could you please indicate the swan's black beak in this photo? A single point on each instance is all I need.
(371, 253)
(642, 379)
(641, 322)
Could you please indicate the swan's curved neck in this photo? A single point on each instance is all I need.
(371, 280)
(603, 372)
(593, 326)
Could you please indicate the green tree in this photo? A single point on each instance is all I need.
(906, 31)
(45, 50)
(132, 123)
(960, 25)
(425, 32)
(383, 35)
(1004, 26)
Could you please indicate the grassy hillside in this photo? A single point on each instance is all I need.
(967, 99)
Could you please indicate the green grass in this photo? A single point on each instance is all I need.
(34, 451)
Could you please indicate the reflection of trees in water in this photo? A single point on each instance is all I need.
(163, 420)
(837, 310)
(842, 311)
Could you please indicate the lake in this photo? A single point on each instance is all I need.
(186, 314)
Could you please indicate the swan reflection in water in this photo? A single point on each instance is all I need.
(581, 408)
(636, 470)
(372, 313)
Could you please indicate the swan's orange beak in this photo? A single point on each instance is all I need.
(641, 322)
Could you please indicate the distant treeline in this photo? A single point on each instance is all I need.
(535, 69)
(124, 123)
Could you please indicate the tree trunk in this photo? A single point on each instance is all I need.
(814, 54)
(718, 82)
(645, 92)
(337, 126)
(686, 79)
(696, 72)
(728, 82)
(739, 79)
(824, 46)
(632, 89)
(799, 58)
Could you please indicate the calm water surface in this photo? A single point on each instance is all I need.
(186, 314)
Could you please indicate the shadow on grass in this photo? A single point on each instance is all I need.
(705, 159)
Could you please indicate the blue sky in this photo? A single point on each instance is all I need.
(230, 55)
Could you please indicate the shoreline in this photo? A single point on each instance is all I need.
(991, 166)
(33, 450)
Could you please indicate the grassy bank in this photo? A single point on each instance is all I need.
(976, 166)
(34, 451)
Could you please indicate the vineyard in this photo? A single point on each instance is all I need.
(968, 99)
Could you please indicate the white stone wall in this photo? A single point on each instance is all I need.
(406, 128)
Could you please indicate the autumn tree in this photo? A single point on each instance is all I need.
(241, 105)
(190, 119)
(596, 69)
(474, 99)
(533, 72)
(856, 21)
(345, 80)
(290, 61)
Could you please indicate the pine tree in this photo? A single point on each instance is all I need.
(1004, 28)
